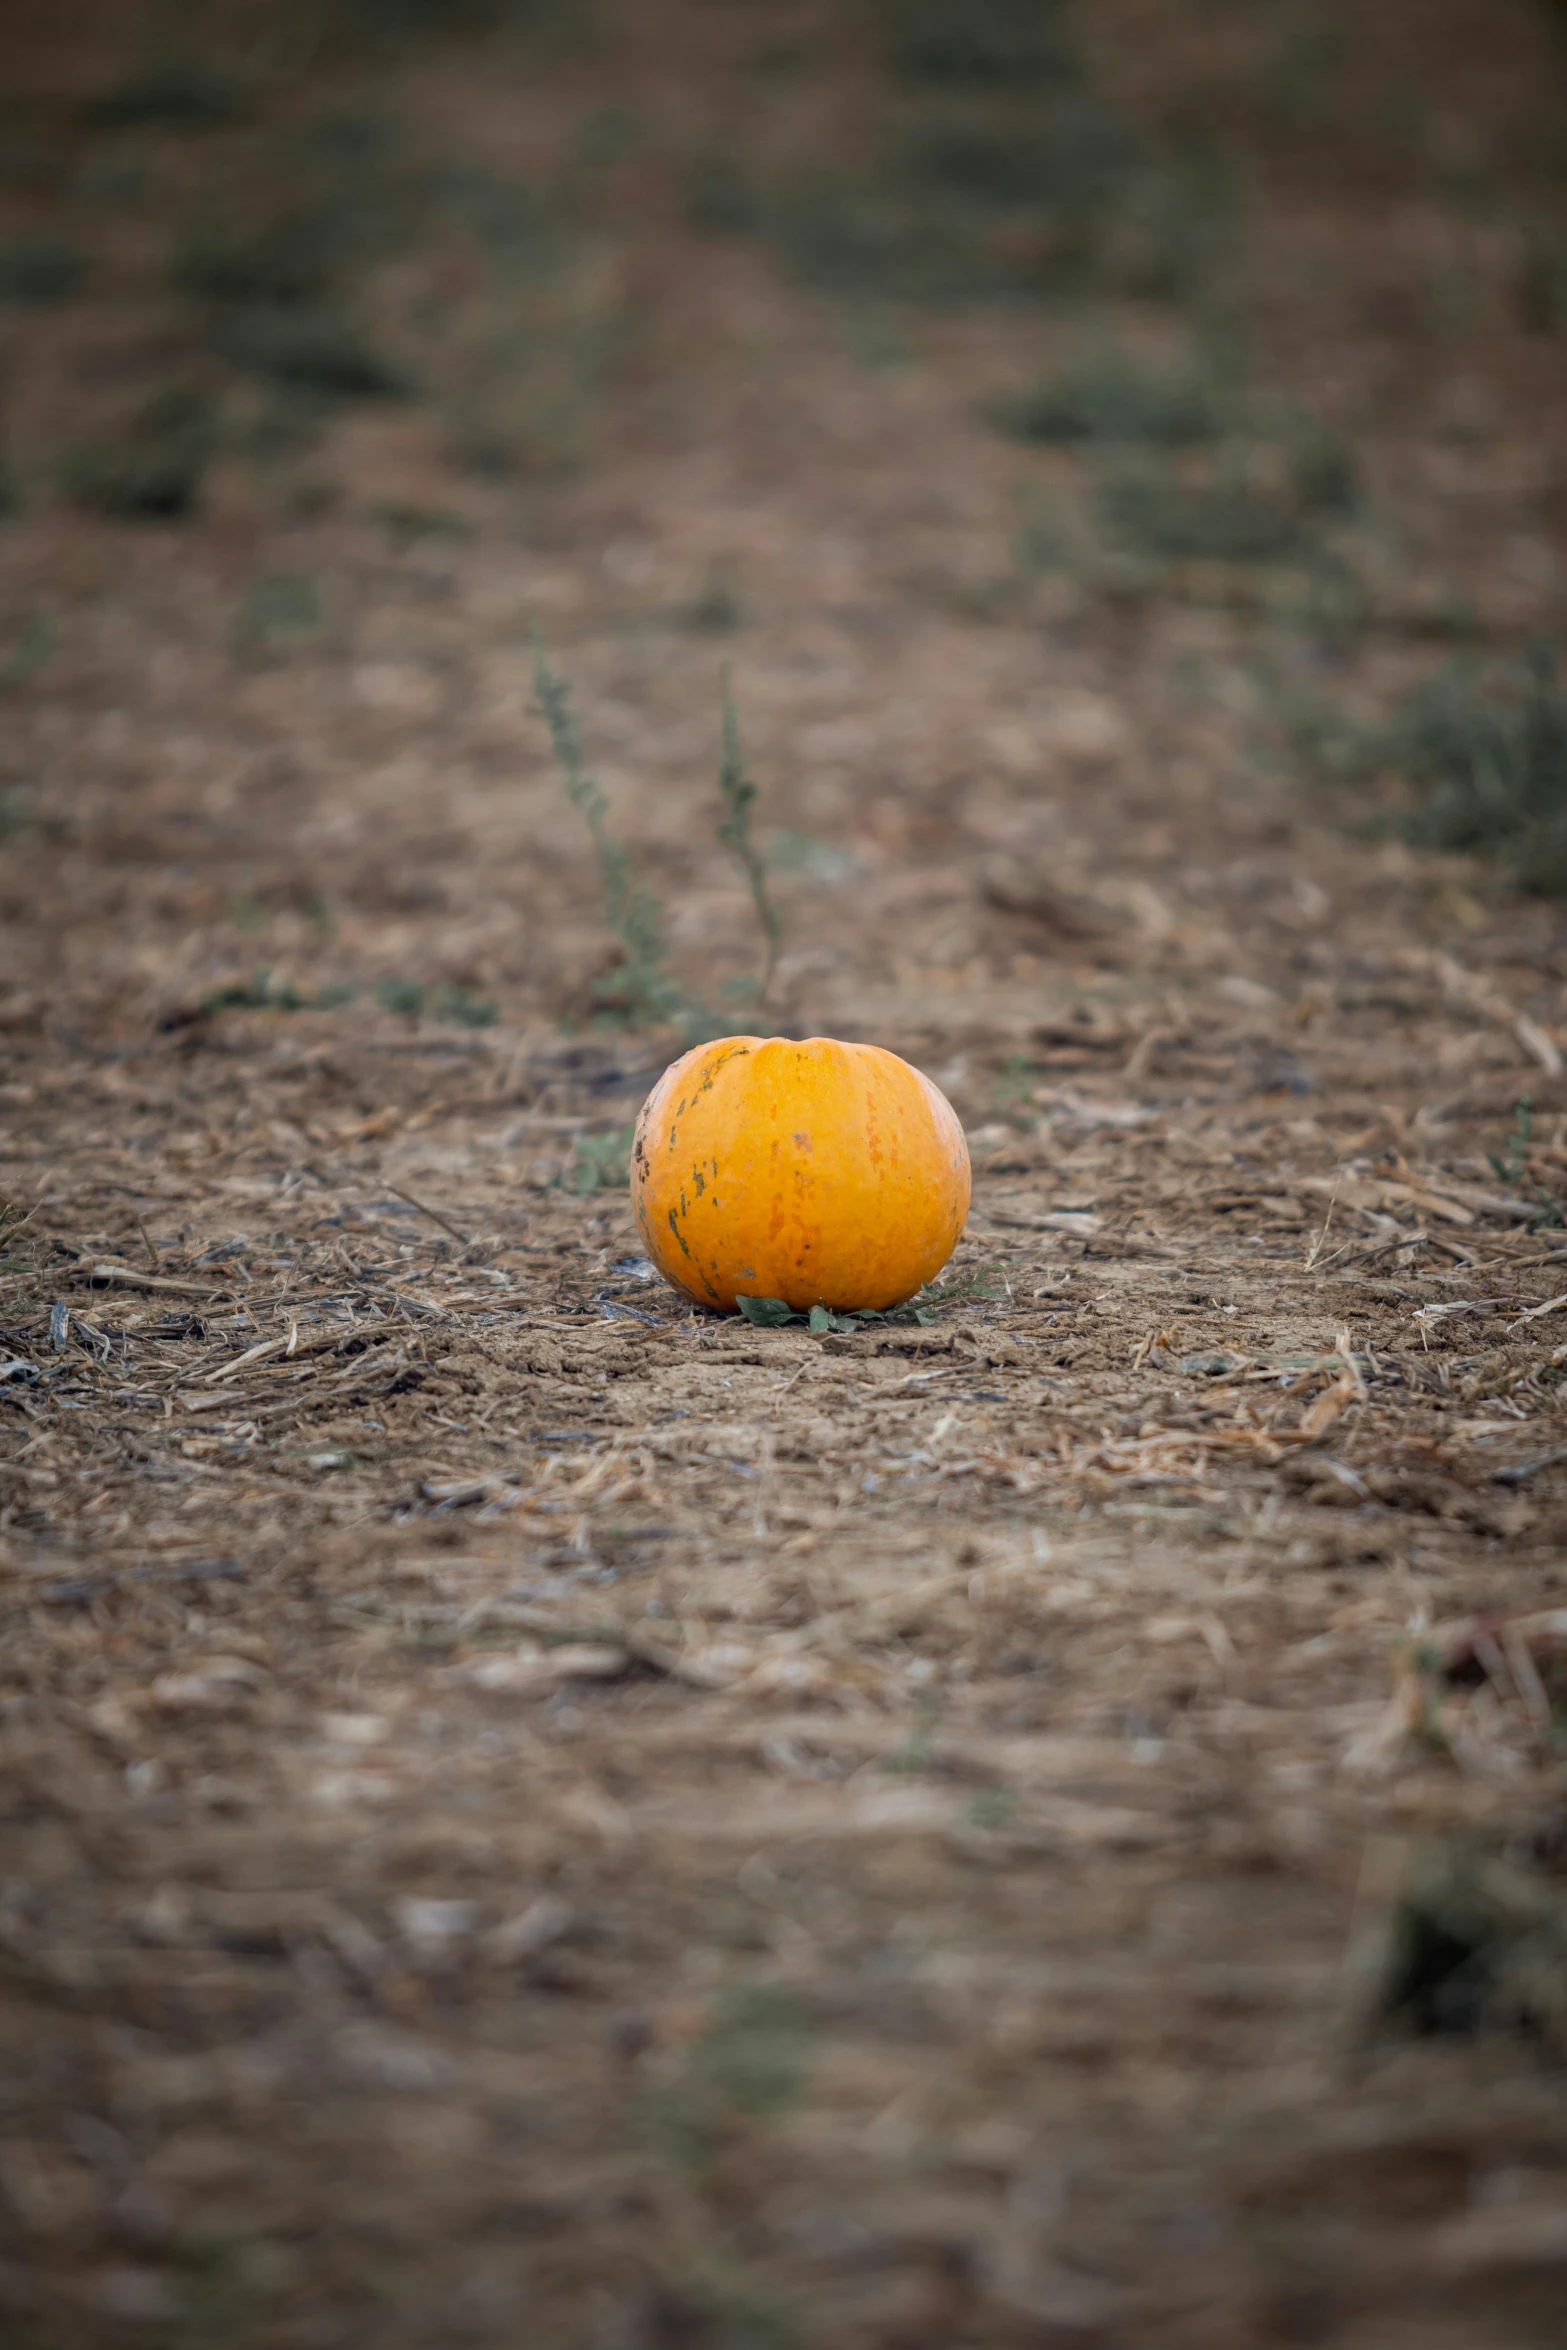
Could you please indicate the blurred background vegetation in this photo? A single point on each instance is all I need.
(232, 231)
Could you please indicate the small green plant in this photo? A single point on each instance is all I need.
(738, 793)
(29, 161)
(721, 198)
(641, 988)
(1320, 735)
(1510, 1168)
(154, 472)
(771, 1313)
(1338, 604)
(975, 1288)
(277, 606)
(601, 1162)
(556, 26)
(1482, 754)
(918, 1751)
(1110, 398)
(1232, 518)
(1478, 1946)
(467, 1009)
(221, 2286)
(1322, 473)
(1296, 81)
(406, 997)
(33, 647)
(756, 2053)
(263, 991)
(982, 44)
(716, 2300)
(716, 609)
(974, 202)
(410, 999)
(1044, 544)
(287, 261)
(1540, 286)
(992, 1808)
(750, 2066)
(38, 270)
(1487, 757)
(406, 522)
(1015, 1084)
(173, 93)
(1057, 164)
(315, 349)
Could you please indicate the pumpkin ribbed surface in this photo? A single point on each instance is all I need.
(820, 1173)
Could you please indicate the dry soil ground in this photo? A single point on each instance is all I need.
(532, 1817)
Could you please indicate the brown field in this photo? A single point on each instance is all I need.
(535, 1819)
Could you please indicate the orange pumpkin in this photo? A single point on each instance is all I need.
(820, 1173)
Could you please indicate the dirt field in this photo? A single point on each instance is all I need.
(532, 1817)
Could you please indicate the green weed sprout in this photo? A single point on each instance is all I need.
(643, 988)
(739, 797)
(602, 1162)
(1510, 1168)
(34, 645)
(771, 1313)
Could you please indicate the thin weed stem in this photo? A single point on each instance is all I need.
(739, 797)
(642, 989)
